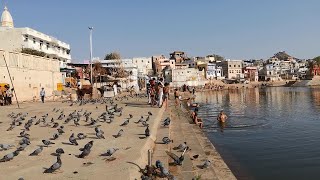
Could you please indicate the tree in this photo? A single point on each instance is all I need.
(316, 60)
(112, 55)
(33, 52)
(216, 57)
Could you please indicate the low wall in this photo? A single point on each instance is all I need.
(29, 74)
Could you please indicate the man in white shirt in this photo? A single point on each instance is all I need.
(42, 94)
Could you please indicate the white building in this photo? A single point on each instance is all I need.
(144, 65)
(15, 39)
(214, 71)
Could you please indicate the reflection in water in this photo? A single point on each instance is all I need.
(270, 132)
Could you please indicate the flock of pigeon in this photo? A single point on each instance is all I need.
(83, 118)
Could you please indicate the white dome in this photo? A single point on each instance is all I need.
(6, 18)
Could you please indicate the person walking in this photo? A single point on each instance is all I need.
(42, 94)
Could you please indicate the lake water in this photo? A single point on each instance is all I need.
(271, 134)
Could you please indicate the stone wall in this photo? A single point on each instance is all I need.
(29, 74)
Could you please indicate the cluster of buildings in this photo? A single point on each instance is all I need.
(31, 72)
(178, 69)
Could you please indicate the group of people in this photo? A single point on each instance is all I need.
(6, 95)
(158, 93)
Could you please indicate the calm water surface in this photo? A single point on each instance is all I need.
(271, 133)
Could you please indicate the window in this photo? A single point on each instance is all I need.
(238, 65)
(34, 40)
(41, 43)
(234, 65)
(48, 45)
(229, 65)
(26, 38)
(141, 60)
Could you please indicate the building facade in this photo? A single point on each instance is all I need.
(251, 73)
(232, 69)
(213, 71)
(144, 65)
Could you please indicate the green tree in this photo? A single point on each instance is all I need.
(316, 60)
(112, 55)
(216, 57)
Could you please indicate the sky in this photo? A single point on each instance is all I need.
(235, 29)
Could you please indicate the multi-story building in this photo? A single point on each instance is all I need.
(160, 62)
(251, 73)
(16, 39)
(232, 69)
(144, 65)
(213, 71)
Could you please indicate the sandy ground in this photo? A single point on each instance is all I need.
(132, 147)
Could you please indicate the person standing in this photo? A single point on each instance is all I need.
(42, 94)
(9, 96)
(166, 90)
(160, 94)
(115, 88)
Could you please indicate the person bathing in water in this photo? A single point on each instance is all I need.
(222, 117)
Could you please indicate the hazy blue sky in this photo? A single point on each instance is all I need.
(236, 29)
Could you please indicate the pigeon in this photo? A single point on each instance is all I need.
(73, 140)
(110, 152)
(37, 151)
(22, 147)
(55, 125)
(11, 127)
(55, 136)
(81, 136)
(9, 156)
(59, 151)
(149, 113)
(140, 120)
(163, 171)
(195, 156)
(166, 122)
(130, 116)
(99, 135)
(84, 153)
(24, 140)
(147, 132)
(61, 116)
(119, 134)
(206, 164)
(181, 146)
(166, 140)
(144, 123)
(126, 122)
(177, 160)
(76, 123)
(38, 122)
(47, 142)
(87, 146)
(55, 166)
(148, 118)
(5, 146)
